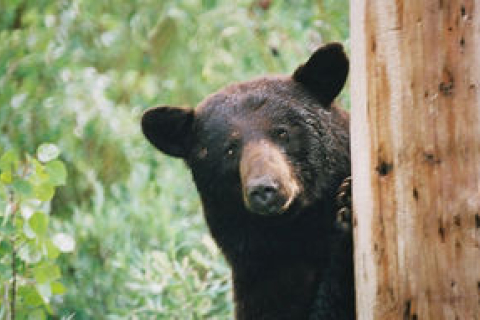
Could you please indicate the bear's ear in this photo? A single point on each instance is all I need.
(169, 129)
(325, 73)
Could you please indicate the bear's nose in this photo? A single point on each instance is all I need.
(264, 197)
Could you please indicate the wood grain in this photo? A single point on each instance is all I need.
(415, 86)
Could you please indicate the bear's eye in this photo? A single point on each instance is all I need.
(281, 133)
(231, 149)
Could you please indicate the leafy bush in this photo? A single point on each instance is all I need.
(79, 73)
(29, 250)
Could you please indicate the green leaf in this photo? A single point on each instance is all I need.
(39, 223)
(3, 199)
(46, 272)
(37, 314)
(40, 174)
(47, 152)
(9, 161)
(64, 242)
(21, 314)
(58, 288)
(52, 250)
(5, 247)
(30, 296)
(49, 309)
(57, 172)
(7, 228)
(5, 272)
(6, 177)
(22, 187)
(44, 191)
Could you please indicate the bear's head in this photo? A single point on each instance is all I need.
(271, 146)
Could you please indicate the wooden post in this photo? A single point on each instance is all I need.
(415, 87)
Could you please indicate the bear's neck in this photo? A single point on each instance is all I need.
(275, 290)
(246, 238)
(277, 264)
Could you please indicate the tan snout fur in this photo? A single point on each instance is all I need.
(262, 159)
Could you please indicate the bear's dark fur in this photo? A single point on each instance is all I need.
(267, 157)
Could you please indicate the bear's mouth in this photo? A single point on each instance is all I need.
(273, 205)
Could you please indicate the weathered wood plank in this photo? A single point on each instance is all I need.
(415, 86)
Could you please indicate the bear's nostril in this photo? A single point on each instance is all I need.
(263, 196)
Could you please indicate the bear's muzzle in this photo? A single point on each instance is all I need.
(268, 183)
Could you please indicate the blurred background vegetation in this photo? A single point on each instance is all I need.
(79, 73)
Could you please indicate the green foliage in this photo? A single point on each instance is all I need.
(29, 250)
(80, 72)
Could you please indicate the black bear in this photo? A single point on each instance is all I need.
(267, 157)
